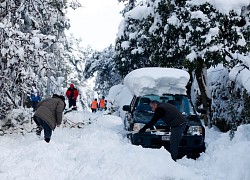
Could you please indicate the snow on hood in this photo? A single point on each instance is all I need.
(156, 80)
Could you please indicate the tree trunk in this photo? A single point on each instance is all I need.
(189, 84)
(206, 101)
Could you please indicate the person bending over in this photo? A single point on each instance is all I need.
(173, 118)
(48, 115)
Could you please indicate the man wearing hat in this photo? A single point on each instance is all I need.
(72, 94)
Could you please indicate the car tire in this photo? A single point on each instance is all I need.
(131, 139)
(203, 148)
(196, 152)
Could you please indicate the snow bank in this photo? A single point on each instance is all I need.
(155, 80)
(99, 151)
(224, 159)
(119, 95)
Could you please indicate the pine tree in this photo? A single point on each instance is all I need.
(102, 65)
(132, 45)
(129, 4)
(32, 44)
(183, 35)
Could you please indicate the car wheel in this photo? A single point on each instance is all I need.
(196, 152)
(131, 139)
(129, 136)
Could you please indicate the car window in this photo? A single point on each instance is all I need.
(181, 102)
(143, 104)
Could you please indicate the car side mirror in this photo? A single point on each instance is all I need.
(202, 111)
(126, 108)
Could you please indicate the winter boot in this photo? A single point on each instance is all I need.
(47, 139)
(39, 130)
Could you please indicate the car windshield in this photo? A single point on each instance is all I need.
(181, 102)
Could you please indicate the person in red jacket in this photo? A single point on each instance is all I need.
(72, 94)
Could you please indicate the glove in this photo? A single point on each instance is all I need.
(142, 130)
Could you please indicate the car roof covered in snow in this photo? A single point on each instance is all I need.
(156, 80)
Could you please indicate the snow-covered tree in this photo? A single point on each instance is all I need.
(132, 43)
(76, 58)
(32, 43)
(190, 34)
(129, 4)
(102, 66)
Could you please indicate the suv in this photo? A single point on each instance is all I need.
(139, 112)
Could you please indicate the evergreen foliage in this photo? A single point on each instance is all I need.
(183, 35)
(76, 57)
(32, 44)
(102, 65)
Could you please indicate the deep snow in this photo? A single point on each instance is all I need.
(156, 80)
(101, 151)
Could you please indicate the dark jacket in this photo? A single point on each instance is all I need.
(169, 114)
(51, 110)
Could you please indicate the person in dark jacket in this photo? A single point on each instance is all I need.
(72, 94)
(173, 118)
(49, 114)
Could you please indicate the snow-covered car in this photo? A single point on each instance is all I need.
(164, 85)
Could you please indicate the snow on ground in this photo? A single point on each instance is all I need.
(100, 151)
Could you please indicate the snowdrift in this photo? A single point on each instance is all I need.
(118, 96)
(156, 80)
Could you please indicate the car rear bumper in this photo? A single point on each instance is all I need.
(187, 144)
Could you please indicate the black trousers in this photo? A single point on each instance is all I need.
(175, 139)
(34, 105)
(46, 127)
(72, 102)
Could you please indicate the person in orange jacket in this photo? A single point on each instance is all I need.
(94, 105)
(102, 103)
(72, 94)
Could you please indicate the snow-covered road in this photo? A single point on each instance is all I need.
(100, 152)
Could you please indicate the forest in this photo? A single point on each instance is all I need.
(153, 33)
